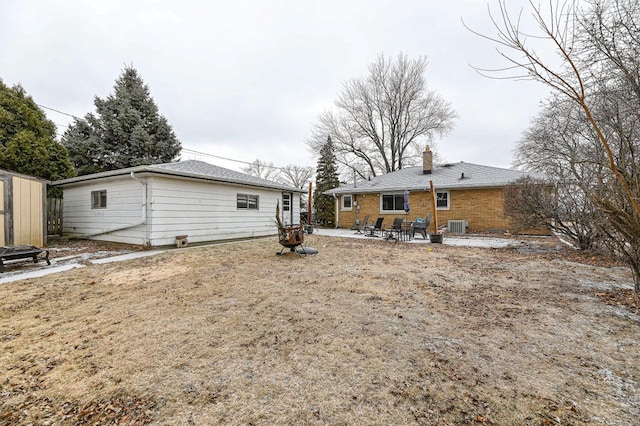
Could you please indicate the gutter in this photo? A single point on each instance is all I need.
(143, 219)
(336, 200)
(144, 198)
(175, 173)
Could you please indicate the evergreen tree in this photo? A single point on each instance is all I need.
(326, 179)
(27, 138)
(126, 131)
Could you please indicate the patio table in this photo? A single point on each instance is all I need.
(407, 231)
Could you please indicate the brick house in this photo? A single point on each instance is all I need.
(469, 197)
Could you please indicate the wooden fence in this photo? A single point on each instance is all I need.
(54, 216)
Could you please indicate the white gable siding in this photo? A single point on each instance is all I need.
(207, 211)
(124, 210)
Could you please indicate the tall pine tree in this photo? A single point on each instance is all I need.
(27, 138)
(326, 179)
(126, 131)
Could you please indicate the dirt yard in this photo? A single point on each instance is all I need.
(364, 333)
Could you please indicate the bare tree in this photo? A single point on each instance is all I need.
(598, 44)
(533, 203)
(529, 203)
(574, 75)
(561, 145)
(382, 122)
(298, 176)
(262, 170)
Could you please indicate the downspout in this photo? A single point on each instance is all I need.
(336, 197)
(143, 220)
(309, 205)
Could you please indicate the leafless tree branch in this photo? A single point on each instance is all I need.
(381, 122)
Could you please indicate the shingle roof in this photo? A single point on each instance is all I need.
(189, 168)
(447, 176)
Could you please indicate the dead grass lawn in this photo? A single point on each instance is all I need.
(364, 333)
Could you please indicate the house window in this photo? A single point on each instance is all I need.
(286, 202)
(442, 200)
(247, 201)
(346, 202)
(392, 202)
(99, 199)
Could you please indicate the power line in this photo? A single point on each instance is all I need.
(192, 151)
(187, 150)
(58, 111)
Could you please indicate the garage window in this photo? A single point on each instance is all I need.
(247, 201)
(99, 199)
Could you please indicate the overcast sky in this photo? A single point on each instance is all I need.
(247, 79)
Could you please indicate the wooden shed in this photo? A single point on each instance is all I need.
(22, 208)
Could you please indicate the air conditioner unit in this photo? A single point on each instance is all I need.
(457, 226)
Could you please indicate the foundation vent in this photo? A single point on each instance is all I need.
(181, 241)
(457, 226)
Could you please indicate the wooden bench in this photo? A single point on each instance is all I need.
(22, 252)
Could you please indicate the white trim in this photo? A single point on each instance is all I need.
(287, 210)
(248, 198)
(448, 207)
(401, 211)
(342, 198)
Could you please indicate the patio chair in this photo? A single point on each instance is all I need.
(375, 230)
(395, 232)
(359, 227)
(421, 225)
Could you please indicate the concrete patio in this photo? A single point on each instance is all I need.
(469, 240)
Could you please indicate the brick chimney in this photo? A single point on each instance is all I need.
(427, 161)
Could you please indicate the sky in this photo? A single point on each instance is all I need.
(247, 79)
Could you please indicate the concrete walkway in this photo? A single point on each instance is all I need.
(61, 264)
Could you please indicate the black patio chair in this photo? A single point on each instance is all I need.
(395, 232)
(375, 230)
(360, 226)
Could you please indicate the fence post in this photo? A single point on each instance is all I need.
(54, 216)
